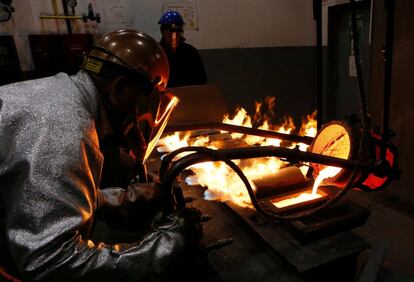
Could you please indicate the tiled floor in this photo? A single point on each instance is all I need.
(393, 221)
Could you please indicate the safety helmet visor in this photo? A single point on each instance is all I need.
(172, 28)
(154, 119)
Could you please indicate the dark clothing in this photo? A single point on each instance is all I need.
(118, 168)
(50, 172)
(186, 66)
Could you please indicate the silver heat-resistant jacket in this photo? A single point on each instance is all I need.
(50, 165)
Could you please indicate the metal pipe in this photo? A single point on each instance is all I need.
(356, 42)
(55, 7)
(205, 154)
(66, 12)
(239, 129)
(317, 15)
(389, 38)
(44, 17)
(290, 155)
(295, 156)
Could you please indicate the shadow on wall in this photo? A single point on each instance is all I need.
(251, 74)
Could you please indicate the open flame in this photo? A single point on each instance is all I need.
(222, 183)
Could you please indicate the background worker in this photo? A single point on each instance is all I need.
(186, 66)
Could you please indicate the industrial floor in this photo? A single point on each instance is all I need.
(391, 222)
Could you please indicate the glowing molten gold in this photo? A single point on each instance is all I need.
(296, 200)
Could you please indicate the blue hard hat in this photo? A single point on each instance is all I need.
(172, 20)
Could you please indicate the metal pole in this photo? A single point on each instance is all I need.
(239, 129)
(389, 39)
(293, 156)
(43, 17)
(66, 12)
(317, 15)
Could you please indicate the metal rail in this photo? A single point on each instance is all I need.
(169, 171)
(239, 129)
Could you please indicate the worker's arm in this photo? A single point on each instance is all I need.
(130, 209)
(52, 176)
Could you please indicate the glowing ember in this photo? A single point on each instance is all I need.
(222, 183)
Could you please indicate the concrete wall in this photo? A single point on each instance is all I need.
(221, 24)
(250, 74)
(252, 49)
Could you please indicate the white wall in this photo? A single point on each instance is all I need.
(222, 23)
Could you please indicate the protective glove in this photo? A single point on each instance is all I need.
(135, 194)
(130, 209)
(140, 193)
(189, 220)
(118, 167)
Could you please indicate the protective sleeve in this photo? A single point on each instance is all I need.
(49, 179)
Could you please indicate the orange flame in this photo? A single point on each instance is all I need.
(222, 183)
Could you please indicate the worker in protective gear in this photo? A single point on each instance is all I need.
(186, 66)
(51, 133)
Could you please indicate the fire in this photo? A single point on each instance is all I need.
(172, 142)
(241, 118)
(222, 183)
(309, 128)
(309, 125)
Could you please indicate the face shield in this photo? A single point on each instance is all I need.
(147, 126)
(174, 40)
(153, 122)
(172, 35)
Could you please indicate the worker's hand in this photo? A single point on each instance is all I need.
(153, 177)
(129, 209)
(143, 192)
(189, 220)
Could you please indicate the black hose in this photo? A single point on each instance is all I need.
(317, 15)
(205, 154)
(364, 113)
(361, 84)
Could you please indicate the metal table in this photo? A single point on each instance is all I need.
(265, 251)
